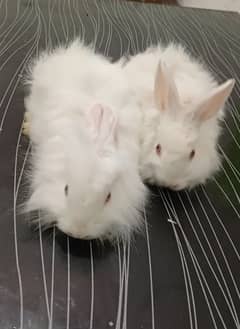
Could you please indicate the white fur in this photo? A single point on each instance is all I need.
(64, 85)
(175, 131)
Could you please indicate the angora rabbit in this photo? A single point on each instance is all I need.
(182, 105)
(83, 123)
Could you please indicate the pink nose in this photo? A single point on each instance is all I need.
(176, 187)
(173, 187)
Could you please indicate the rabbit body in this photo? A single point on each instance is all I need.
(84, 125)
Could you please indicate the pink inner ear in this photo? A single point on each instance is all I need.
(165, 90)
(97, 116)
(210, 106)
(103, 125)
(108, 129)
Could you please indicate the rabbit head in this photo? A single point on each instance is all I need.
(179, 141)
(99, 192)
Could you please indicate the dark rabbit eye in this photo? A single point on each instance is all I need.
(158, 149)
(108, 198)
(66, 190)
(192, 154)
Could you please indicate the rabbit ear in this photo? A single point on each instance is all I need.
(210, 106)
(103, 125)
(165, 90)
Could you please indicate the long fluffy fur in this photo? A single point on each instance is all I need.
(176, 135)
(63, 85)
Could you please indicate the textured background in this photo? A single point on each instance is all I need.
(182, 273)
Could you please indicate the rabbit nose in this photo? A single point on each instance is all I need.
(177, 187)
(174, 187)
(77, 236)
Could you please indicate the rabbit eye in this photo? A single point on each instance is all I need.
(66, 190)
(158, 149)
(108, 198)
(192, 154)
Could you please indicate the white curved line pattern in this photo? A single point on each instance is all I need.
(206, 242)
(200, 275)
(186, 272)
(43, 269)
(150, 270)
(68, 284)
(187, 280)
(15, 233)
(92, 287)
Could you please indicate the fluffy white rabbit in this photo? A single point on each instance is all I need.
(182, 105)
(83, 122)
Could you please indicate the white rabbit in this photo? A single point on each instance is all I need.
(182, 106)
(85, 174)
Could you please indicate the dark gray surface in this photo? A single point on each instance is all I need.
(183, 275)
